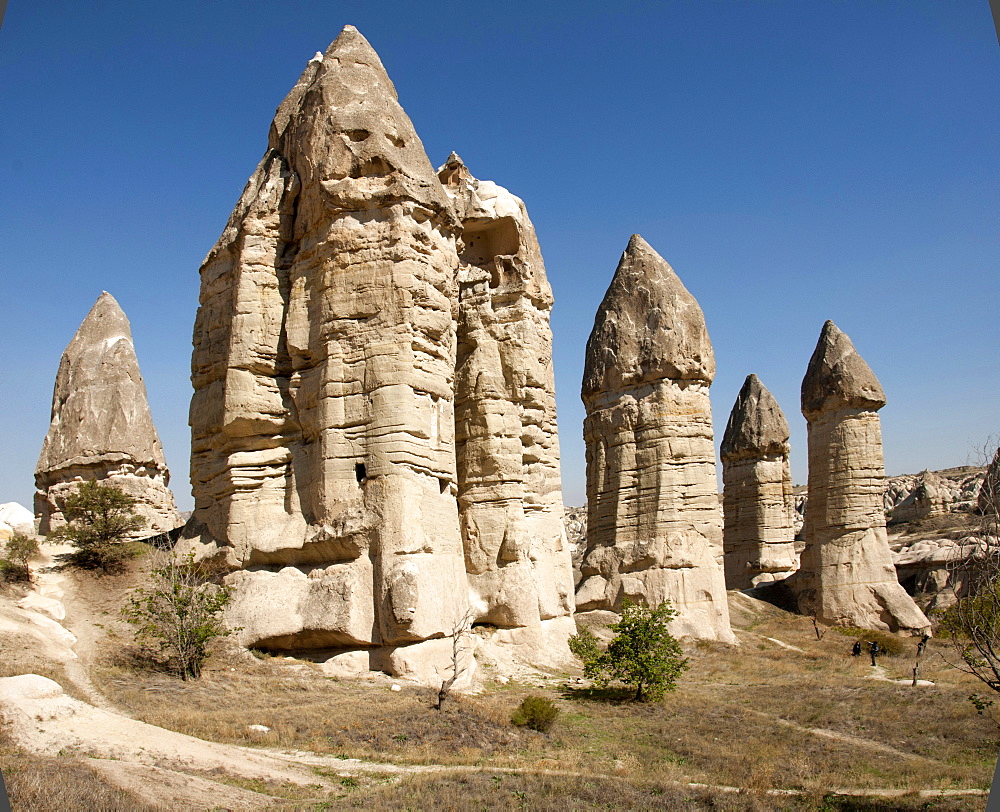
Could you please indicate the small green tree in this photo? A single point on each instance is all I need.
(179, 614)
(18, 551)
(643, 654)
(100, 519)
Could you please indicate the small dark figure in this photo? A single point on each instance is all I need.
(922, 644)
(856, 650)
(875, 650)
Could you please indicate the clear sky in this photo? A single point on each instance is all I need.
(793, 161)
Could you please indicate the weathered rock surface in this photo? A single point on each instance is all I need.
(334, 312)
(323, 441)
(654, 527)
(507, 444)
(847, 575)
(758, 506)
(101, 426)
(15, 518)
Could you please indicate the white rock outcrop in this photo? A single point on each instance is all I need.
(101, 426)
(654, 527)
(757, 502)
(847, 575)
(334, 312)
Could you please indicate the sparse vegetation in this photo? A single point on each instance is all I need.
(643, 654)
(17, 553)
(179, 613)
(973, 623)
(100, 519)
(536, 712)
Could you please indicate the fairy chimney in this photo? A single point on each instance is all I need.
(101, 426)
(654, 530)
(847, 576)
(757, 502)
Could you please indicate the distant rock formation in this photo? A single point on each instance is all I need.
(507, 446)
(988, 501)
(15, 518)
(335, 310)
(654, 526)
(847, 575)
(101, 426)
(758, 506)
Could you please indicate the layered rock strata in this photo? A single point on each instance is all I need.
(323, 460)
(101, 427)
(506, 442)
(757, 501)
(654, 529)
(847, 575)
(334, 311)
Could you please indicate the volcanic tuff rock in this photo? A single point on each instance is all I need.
(323, 419)
(847, 576)
(654, 527)
(988, 501)
(101, 427)
(758, 506)
(509, 485)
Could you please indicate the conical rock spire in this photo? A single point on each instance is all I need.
(101, 425)
(838, 378)
(757, 501)
(654, 531)
(648, 327)
(847, 576)
(756, 424)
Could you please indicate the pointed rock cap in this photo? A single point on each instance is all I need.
(648, 328)
(838, 378)
(756, 425)
(100, 413)
(344, 134)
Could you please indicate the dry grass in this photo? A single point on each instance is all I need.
(43, 784)
(743, 717)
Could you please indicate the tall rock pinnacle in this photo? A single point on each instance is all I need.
(509, 484)
(322, 420)
(101, 425)
(847, 576)
(654, 531)
(758, 534)
(324, 414)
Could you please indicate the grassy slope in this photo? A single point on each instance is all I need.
(741, 717)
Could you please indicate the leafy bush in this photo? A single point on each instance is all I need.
(18, 551)
(643, 653)
(890, 645)
(535, 712)
(99, 521)
(179, 614)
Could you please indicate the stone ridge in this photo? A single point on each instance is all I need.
(648, 327)
(838, 378)
(756, 424)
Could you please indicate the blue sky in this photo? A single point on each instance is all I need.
(793, 161)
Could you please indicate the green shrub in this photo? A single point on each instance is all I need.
(99, 522)
(180, 613)
(643, 654)
(535, 712)
(17, 552)
(891, 645)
